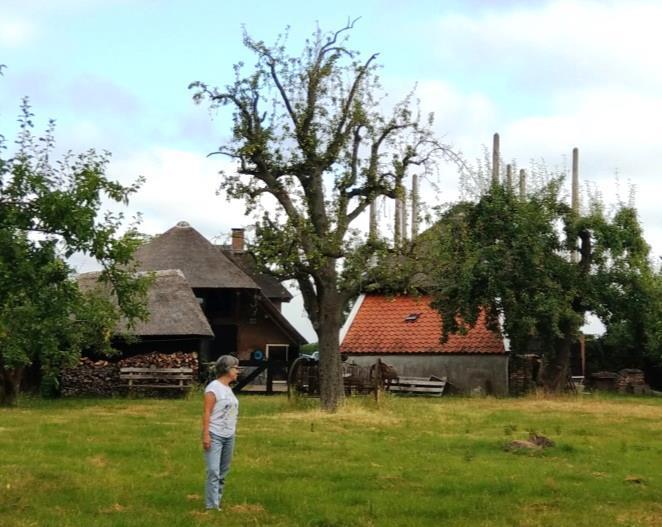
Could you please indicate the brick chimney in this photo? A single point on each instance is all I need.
(238, 240)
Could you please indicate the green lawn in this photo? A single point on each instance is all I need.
(137, 462)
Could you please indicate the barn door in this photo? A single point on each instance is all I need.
(225, 341)
(278, 355)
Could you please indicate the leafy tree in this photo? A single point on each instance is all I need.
(47, 213)
(513, 257)
(308, 132)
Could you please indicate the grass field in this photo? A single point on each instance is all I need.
(138, 462)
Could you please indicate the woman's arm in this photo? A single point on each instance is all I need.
(210, 401)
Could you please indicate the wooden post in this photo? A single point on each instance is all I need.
(378, 380)
(522, 184)
(582, 351)
(495, 159)
(270, 376)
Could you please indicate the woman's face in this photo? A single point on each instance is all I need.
(233, 373)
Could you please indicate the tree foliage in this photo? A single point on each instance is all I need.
(513, 257)
(309, 132)
(49, 211)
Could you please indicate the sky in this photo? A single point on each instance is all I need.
(547, 76)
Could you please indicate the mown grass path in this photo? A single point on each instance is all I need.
(123, 462)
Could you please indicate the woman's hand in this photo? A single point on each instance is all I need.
(206, 441)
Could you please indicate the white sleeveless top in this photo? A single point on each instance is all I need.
(223, 419)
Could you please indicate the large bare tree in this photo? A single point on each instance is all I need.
(310, 131)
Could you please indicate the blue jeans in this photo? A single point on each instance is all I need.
(217, 458)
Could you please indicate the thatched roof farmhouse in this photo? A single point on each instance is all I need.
(208, 299)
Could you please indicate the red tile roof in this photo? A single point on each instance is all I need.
(379, 326)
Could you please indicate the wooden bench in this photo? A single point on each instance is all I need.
(157, 378)
(432, 386)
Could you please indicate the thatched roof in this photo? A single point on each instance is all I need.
(172, 306)
(184, 248)
(270, 286)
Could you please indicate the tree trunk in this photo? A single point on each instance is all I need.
(555, 373)
(328, 332)
(10, 382)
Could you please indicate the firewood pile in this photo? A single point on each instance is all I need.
(90, 377)
(162, 360)
(629, 380)
(102, 378)
(604, 381)
(632, 381)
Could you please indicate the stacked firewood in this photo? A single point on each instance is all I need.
(162, 360)
(91, 378)
(632, 381)
(102, 378)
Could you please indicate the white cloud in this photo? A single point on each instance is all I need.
(562, 43)
(458, 114)
(552, 77)
(15, 32)
(182, 186)
(179, 186)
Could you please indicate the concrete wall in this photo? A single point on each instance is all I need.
(487, 374)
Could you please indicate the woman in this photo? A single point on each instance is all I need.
(219, 421)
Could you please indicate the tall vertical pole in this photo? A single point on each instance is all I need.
(495, 159)
(522, 184)
(397, 223)
(574, 198)
(403, 205)
(509, 176)
(575, 180)
(414, 206)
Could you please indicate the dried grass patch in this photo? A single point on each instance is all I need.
(114, 508)
(133, 410)
(622, 409)
(247, 508)
(346, 415)
(539, 507)
(99, 461)
(644, 518)
(257, 462)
